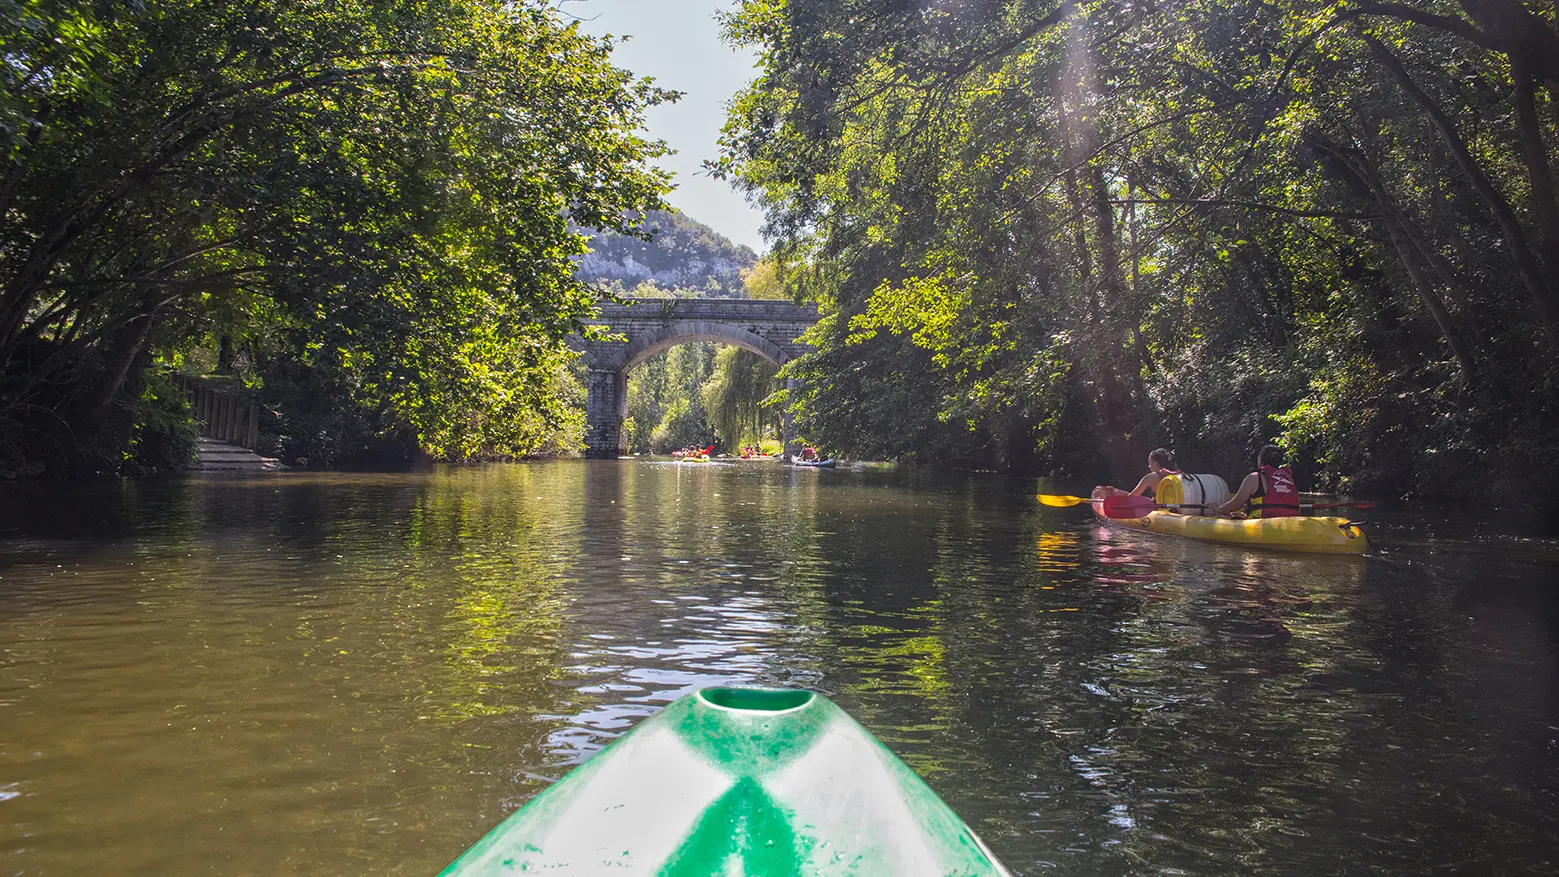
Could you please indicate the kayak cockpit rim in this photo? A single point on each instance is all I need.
(756, 700)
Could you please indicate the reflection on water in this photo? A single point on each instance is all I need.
(359, 674)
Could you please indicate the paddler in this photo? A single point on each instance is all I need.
(1268, 492)
(1161, 463)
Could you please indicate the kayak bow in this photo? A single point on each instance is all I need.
(737, 781)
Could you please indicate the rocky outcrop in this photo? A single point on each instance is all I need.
(683, 255)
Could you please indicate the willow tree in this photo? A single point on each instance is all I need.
(734, 398)
(383, 191)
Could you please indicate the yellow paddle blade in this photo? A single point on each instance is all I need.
(1061, 502)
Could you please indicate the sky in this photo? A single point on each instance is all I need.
(677, 42)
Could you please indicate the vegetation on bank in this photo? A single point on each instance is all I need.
(1057, 234)
(366, 211)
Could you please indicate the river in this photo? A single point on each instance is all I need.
(352, 674)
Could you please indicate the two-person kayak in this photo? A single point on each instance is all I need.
(1315, 535)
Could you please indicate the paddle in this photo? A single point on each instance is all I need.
(1119, 506)
(1116, 506)
(1124, 506)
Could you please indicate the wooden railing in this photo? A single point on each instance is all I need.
(223, 416)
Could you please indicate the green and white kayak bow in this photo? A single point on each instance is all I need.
(737, 781)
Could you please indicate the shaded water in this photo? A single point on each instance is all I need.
(360, 674)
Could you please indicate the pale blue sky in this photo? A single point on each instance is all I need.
(678, 43)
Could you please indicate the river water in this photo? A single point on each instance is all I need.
(360, 674)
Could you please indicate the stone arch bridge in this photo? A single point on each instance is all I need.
(651, 325)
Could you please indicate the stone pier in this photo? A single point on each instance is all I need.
(605, 409)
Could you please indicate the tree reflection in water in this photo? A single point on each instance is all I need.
(354, 673)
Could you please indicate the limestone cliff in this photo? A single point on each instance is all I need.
(683, 255)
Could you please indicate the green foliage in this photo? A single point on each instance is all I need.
(377, 202)
(684, 425)
(1058, 235)
(1215, 410)
(700, 394)
(762, 281)
(562, 427)
(733, 397)
(664, 401)
(162, 435)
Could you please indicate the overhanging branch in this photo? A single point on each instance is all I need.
(1250, 205)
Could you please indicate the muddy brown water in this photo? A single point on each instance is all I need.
(360, 674)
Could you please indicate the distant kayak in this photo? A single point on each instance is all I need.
(814, 464)
(737, 781)
(1315, 535)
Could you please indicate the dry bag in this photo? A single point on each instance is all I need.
(1191, 494)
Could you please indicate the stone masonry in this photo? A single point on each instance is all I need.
(647, 326)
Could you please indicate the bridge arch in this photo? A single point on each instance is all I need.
(645, 327)
(687, 332)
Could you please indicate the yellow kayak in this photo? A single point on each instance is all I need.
(1329, 535)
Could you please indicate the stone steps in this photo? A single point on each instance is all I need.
(214, 456)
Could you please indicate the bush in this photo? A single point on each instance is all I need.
(163, 434)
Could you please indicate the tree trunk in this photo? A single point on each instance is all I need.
(1109, 246)
(1402, 233)
(1518, 32)
(1432, 301)
(1545, 297)
(98, 403)
(1544, 206)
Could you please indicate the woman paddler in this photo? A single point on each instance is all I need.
(1268, 492)
(1161, 463)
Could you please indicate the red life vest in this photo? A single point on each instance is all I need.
(1276, 496)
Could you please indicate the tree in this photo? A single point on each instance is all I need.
(378, 197)
(664, 399)
(762, 281)
(1057, 234)
(734, 397)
